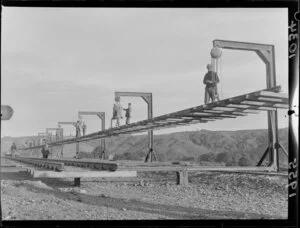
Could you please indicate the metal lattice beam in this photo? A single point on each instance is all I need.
(178, 117)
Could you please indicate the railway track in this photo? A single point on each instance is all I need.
(42, 163)
(98, 165)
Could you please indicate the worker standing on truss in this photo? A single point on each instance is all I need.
(83, 128)
(41, 141)
(13, 149)
(45, 150)
(78, 128)
(117, 112)
(57, 134)
(128, 113)
(210, 80)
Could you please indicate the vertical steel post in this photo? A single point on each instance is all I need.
(77, 149)
(62, 146)
(272, 115)
(67, 123)
(267, 55)
(150, 132)
(103, 140)
(101, 115)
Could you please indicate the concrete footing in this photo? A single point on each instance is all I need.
(182, 177)
(77, 181)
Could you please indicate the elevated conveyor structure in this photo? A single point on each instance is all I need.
(252, 103)
(268, 100)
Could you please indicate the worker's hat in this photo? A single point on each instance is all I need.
(209, 66)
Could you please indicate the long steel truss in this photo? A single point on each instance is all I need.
(239, 106)
(269, 100)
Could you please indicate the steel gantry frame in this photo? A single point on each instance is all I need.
(62, 135)
(147, 97)
(55, 129)
(101, 115)
(239, 106)
(266, 53)
(56, 138)
(269, 99)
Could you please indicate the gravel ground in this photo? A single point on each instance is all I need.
(151, 196)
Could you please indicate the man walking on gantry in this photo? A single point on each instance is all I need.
(128, 113)
(13, 149)
(210, 80)
(117, 112)
(83, 128)
(78, 128)
(45, 150)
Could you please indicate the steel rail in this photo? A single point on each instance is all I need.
(43, 163)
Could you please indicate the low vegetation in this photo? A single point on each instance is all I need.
(229, 148)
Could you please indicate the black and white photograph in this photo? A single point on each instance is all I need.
(145, 113)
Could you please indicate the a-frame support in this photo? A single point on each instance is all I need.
(101, 115)
(60, 130)
(266, 53)
(62, 133)
(147, 97)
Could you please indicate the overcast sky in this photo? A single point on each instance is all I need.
(58, 61)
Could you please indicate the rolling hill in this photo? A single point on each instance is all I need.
(226, 147)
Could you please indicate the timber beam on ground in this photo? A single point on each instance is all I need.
(77, 175)
(81, 174)
(91, 164)
(99, 165)
(182, 172)
(251, 103)
(43, 163)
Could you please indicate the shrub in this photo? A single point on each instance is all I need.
(231, 163)
(222, 157)
(188, 159)
(243, 161)
(210, 157)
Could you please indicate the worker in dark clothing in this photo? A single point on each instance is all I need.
(128, 113)
(57, 134)
(45, 150)
(13, 149)
(78, 130)
(210, 80)
(117, 113)
(83, 128)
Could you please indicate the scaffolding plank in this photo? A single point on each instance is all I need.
(201, 114)
(271, 94)
(213, 111)
(77, 174)
(223, 109)
(270, 99)
(285, 106)
(250, 102)
(267, 108)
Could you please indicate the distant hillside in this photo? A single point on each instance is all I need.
(225, 147)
